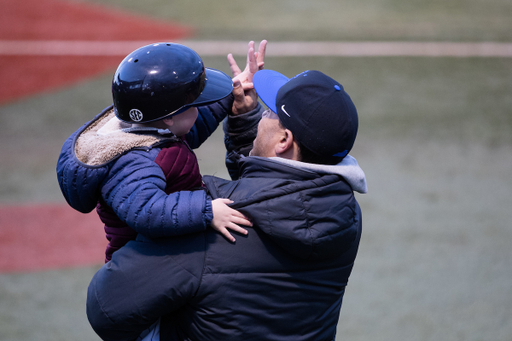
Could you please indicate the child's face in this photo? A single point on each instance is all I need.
(182, 123)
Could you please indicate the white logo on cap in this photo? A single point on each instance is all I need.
(282, 108)
(136, 115)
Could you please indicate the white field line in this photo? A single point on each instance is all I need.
(239, 48)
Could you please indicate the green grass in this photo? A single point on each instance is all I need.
(438, 20)
(33, 132)
(435, 143)
(446, 99)
(45, 306)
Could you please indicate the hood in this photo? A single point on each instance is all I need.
(87, 154)
(312, 214)
(348, 168)
(107, 137)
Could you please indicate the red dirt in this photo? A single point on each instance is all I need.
(53, 236)
(49, 236)
(69, 20)
(29, 75)
(66, 20)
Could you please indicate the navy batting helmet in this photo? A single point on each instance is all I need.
(164, 79)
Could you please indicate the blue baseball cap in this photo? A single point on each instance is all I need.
(314, 107)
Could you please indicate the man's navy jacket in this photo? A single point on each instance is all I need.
(285, 280)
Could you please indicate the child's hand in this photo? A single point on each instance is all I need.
(224, 217)
(246, 98)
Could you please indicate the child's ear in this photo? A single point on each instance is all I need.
(168, 121)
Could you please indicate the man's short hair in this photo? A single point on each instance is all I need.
(306, 155)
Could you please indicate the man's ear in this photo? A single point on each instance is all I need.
(286, 147)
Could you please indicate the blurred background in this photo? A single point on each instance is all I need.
(435, 142)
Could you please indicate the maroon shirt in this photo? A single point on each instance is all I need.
(181, 171)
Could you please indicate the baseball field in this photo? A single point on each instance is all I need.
(432, 82)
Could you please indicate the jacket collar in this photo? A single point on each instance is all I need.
(258, 167)
(348, 169)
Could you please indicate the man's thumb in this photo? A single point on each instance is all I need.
(238, 90)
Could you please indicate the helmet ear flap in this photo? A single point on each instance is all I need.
(159, 80)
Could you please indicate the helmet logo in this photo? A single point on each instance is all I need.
(136, 115)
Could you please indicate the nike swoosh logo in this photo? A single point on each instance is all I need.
(282, 108)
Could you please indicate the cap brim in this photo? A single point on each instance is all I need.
(267, 84)
(218, 85)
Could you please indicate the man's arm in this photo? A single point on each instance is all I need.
(239, 133)
(143, 281)
(241, 126)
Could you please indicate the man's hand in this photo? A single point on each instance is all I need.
(224, 217)
(246, 98)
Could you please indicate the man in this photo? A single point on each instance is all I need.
(286, 279)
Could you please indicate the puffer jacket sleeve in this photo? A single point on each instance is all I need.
(78, 183)
(143, 281)
(135, 188)
(239, 133)
(208, 120)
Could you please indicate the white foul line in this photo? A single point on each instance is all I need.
(282, 49)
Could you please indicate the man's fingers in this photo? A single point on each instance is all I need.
(248, 86)
(238, 93)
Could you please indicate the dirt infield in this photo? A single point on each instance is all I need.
(33, 20)
(40, 237)
(53, 236)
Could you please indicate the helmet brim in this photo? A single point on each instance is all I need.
(218, 85)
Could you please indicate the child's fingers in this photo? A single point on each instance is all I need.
(241, 221)
(239, 218)
(226, 234)
(250, 53)
(261, 53)
(226, 201)
(235, 228)
(235, 70)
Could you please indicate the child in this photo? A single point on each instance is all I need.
(133, 161)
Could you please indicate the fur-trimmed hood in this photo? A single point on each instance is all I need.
(86, 156)
(107, 137)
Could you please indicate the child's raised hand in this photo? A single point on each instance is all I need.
(246, 98)
(224, 218)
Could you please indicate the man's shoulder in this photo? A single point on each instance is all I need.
(218, 187)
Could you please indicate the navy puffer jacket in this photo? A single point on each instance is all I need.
(121, 173)
(284, 281)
